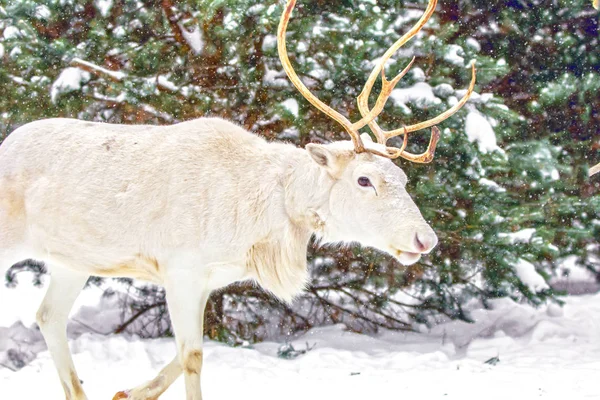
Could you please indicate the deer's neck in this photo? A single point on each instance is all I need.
(279, 263)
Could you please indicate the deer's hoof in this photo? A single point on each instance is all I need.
(121, 395)
(127, 394)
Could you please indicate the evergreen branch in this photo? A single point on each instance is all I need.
(19, 81)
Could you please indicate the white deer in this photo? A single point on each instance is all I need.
(199, 205)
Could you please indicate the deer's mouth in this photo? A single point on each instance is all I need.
(406, 257)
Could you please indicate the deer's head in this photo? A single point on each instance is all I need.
(368, 202)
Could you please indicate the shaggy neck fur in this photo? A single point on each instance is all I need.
(279, 262)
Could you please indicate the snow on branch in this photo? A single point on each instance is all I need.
(161, 81)
(115, 76)
(70, 79)
(121, 99)
(192, 40)
(529, 276)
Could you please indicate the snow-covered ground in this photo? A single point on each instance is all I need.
(548, 353)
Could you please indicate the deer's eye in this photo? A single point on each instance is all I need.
(364, 181)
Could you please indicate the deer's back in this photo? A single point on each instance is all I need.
(124, 187)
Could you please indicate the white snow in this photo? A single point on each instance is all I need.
(473, 43)
(229, 22)
(272, 8)
(478, 98)
(269, 42)
(291, 105)
(406, 16)
(418, 74)
(104, 6)
(455, 55)
(11, 32)
(570, 271)
(69, 80)
(164, 82)
(443, 90)
(420, 94)
(550, 353)
(151, 110)
(119, 31)
(256, 9)
(274, 78)
(479, 129)
(545, 159)
(522, 236)
(319, 73)
(42, 12)
(192, 38)
(289, 134)
(492, 185)
(301, 47)
(15, 52)
(117, 75)
(529, 276)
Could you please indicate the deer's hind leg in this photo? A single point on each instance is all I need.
(52, 316)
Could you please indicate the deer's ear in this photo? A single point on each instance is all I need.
(332, 160)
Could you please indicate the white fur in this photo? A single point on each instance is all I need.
(194, 207)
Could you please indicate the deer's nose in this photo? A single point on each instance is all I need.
(424, 242)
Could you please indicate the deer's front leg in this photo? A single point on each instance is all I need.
(153, 389)
(186, 298)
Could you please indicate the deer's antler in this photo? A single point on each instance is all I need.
(369, 115)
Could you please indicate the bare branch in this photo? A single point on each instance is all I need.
(138, 314)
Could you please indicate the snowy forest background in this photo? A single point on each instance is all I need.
(507, 193)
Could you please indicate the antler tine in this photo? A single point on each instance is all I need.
(423, 158)
(285, 61)
(386, 91)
